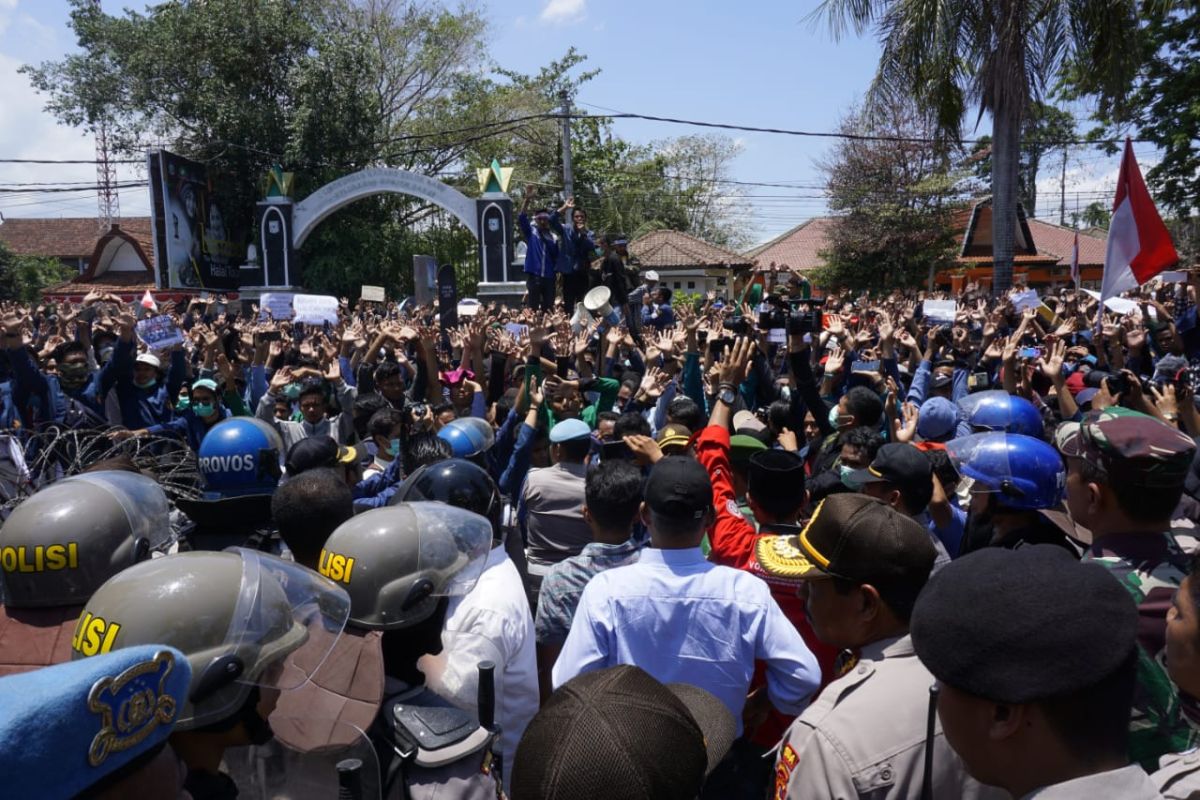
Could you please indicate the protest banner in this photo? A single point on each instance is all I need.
(159, 332)
(278, 303)
(315, 309)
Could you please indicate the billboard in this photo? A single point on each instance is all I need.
(194, 245)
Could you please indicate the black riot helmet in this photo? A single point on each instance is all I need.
(455, 482)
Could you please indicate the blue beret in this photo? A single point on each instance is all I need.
(569, 429)
(64, 728)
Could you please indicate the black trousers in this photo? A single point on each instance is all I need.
(539, 292)
(575, 286)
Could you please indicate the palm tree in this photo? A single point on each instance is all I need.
(995, 57)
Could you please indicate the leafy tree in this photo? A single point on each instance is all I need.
(22, 278)
(996, 56)
(1095, 215)
(895, 201)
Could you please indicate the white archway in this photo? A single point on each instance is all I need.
(308, 213)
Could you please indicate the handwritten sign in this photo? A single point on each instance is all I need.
(374, 294)
(278, 303)
(315, 309)
(159, 332)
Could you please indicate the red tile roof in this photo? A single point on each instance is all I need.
(1056, 240)
(797, 249)
(120, 282)
(62, 237)
(664, 249)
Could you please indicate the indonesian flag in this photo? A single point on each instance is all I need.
(1139, 246)
(1075, 262)
(148, 302)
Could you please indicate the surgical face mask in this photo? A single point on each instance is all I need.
(394, 448)
(833, 417)
(204, 409)
(844, 474)
(147, 384)
(291, 391)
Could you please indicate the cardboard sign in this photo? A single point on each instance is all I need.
(159, 332)
(315, 309)
(374, 294)
(941, 312)
(278, 303)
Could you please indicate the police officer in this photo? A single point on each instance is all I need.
(1036, 657)
(863, 564)
(402, 566)
(96, 728)
(997, 410)
(1015, 478)
(59, 546)
(238, 617)
(239, 463)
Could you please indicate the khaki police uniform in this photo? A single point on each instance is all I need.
(864, 736)
(1127, 783)
(1178, 775)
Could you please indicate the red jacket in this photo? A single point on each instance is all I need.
(732, 539)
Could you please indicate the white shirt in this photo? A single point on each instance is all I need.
(490, 623)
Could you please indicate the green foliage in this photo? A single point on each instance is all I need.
(1042, 126)
(22, 278)
(894, 201)
(1095, 215)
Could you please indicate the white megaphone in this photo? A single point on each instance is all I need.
(597, 303)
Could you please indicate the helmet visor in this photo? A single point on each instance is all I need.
(479, 430)
(982, 457)
(454, 546)
(140, 497)
(286, 621)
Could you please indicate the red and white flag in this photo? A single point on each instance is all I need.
(148, 302)
(1075, 262)
(1139, 246)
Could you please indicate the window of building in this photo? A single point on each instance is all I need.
(691, 284)
(676, 284)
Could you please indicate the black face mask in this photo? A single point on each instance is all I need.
(980, 528)
(402, 648)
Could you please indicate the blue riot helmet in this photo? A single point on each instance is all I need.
(240, 456)
(468, 436)
(997, 410)
(1023, 472)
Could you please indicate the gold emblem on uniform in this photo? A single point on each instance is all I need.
(781, 556)
(131, 705)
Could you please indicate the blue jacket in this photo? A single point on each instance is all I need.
(142, 408)
(575, 249)
(542, 251)
(48, 400)
(658, 316)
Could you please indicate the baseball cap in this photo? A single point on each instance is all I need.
(149, 358)
(1084, 396)
(674, 435)
(1075, 382)
(1041, 625)
(679, 488)
(938, 419)
(742, 447)
(590, 739)
(651, 275)
(855, 537)
(746, 422)
(205, 383)
(940, 381)
(318, 451)
(568, 430)
(896, 462)
(1129, 446)
(59, 733)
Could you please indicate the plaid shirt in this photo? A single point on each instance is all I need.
(564, 582)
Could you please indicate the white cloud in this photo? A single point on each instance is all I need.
(7, 7)
(557, 12)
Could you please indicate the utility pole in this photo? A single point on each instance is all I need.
(1062, 191)
(568, 177)
(108, 204)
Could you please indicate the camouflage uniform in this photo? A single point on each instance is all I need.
(1134, 449)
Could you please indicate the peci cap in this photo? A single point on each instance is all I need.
(1041, 625)
(897, 463)
(568, 430)
(149, 358)
(679, 488)
(1129, 446)
(590, 739)
(775, 475)
(67, 727)
(855, 537)
(674, 435)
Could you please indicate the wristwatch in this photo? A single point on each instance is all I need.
(727, 394)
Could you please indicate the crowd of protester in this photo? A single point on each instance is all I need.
(720, 547)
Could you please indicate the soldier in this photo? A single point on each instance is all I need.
(1036, 658)
(59, 546)
(111, 716)
(238, 616)
(863, 564)
(1125, 475)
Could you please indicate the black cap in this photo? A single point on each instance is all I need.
(618, 732)
(776, 475)
(1017, 626)
(940, 381)
(855, 537)
(898, 463)
(317, 451)
(679, 488)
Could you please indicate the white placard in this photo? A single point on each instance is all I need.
(315, 309)
(1173, 276)
(278, 303)
(1026, 299)
(374, 294)
(1120, 305)
(159, 332)
(940, 311)
(468, 307)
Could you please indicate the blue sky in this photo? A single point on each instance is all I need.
(757, 63)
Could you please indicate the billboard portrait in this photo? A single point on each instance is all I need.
(193, 244)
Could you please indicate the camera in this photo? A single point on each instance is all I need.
(738, 326)
(805, 317)
(772, 319)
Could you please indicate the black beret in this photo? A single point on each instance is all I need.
(1016, 626)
